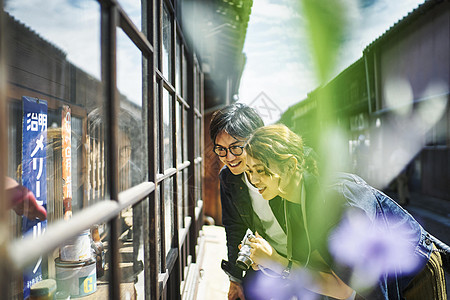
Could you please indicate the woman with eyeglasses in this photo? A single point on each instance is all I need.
(351, 239)
(242, 206)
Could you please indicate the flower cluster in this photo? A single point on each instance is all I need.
(297, 286)
(372, 248)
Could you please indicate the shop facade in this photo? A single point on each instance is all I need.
(102, 106)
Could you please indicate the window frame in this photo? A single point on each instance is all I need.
(163, 273)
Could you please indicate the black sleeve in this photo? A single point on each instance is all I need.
(235, 228)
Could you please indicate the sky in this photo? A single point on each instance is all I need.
(279, 62)
(74, 28)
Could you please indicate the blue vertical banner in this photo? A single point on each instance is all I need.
(34, 174)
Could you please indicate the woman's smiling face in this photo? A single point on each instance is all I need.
(267, 184)
(236, 164)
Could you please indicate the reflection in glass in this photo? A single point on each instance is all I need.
(55, 61)
(74, 28)
(100, 235)
(159, 225)
(178, 68)
(157, 129)
(132, 156)
(129, 70)
(185, 192)
(139, 228)
(198, 192)
(185, 135)
(185, 76)
(96, 157)
(132, 244)
(180, 200)
(167, 123)
(14, 136)
(179, 124)
(166, 45)
(197, 87)
(157, 40)
(168, 213)
(77, 166)
(197, 136)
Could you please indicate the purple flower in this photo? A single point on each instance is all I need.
(372, 248)
(273, 287)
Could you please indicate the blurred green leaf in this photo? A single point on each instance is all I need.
(326, 22)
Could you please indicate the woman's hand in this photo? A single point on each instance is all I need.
(262, 253)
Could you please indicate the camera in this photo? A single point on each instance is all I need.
(244, 261)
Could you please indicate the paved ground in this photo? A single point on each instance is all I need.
(213, 282)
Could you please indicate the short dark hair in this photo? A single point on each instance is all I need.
(238, 120)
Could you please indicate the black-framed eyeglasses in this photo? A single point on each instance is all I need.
(222, 151)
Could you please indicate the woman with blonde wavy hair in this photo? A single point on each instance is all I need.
(354, 241)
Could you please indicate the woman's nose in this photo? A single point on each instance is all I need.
(254, 178)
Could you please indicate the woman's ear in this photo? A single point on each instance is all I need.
(292, 164)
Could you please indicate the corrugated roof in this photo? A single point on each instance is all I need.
(400, 24)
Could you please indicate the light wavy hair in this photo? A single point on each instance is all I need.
(274, 145)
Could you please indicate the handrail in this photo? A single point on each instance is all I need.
(134, 194)
(183, 165)
(167, 173)
(23, 252)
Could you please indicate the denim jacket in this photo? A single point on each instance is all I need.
(347, 191)
(237, 216)
(350, 191)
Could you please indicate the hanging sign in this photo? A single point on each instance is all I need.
(66, 129)
(34, 175)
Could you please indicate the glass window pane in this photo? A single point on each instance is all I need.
(195, 184)
(179, 143)
(198, 182)
(167, 44)
(185, 77)
(158, 34)
(196, 87)
(159, 225)
(158, 124)
(55, 93)
(96, 159)
(54, 76)
(185, 135)
(133, 10)
(129, 71)
(197, 137)
(73, 29)
(185, 192)
(132, 246)
(178, 68)
(100, 235)
(140, 246)
(168, 213)
(132, 150)
(168, 131)
(180, 200)
(77, 165)
(91, 243)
